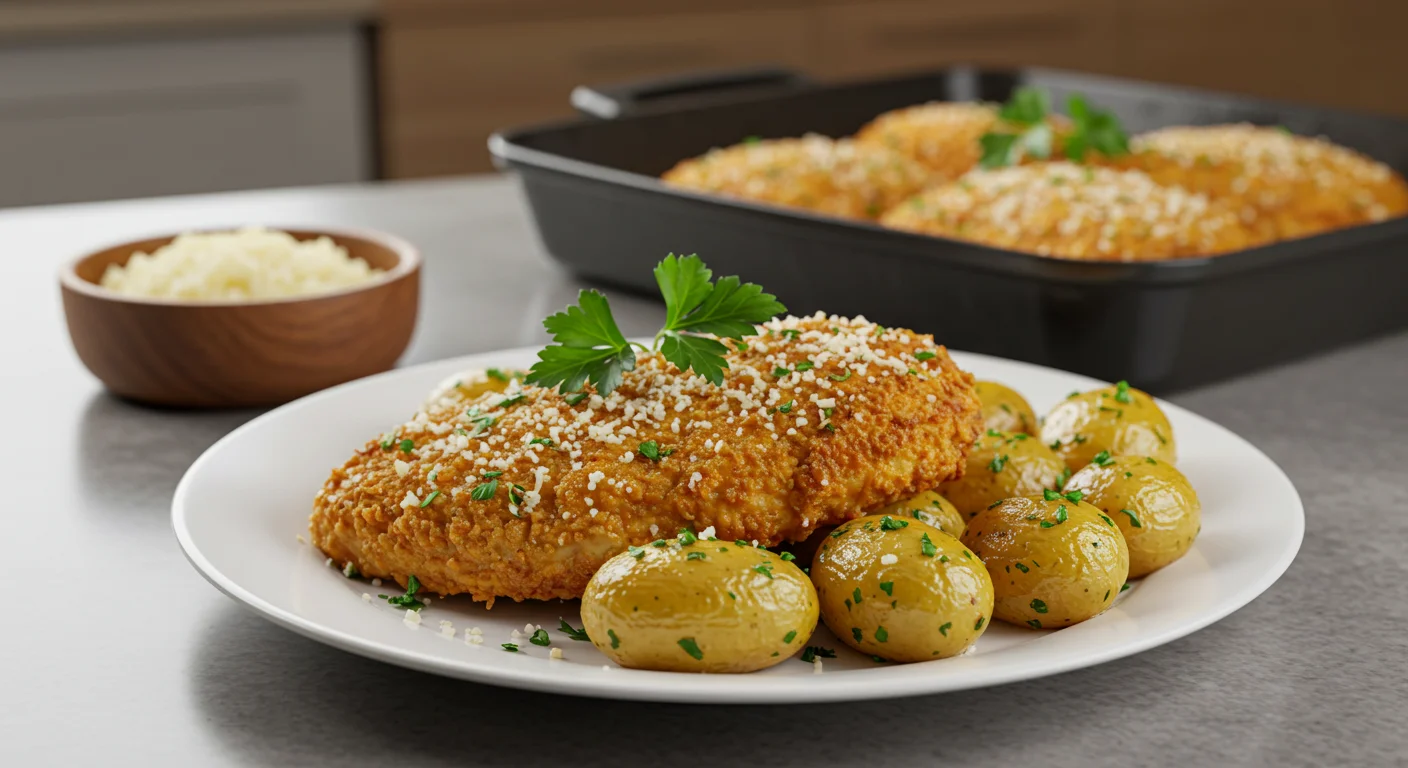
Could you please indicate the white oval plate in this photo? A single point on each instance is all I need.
(243, 506)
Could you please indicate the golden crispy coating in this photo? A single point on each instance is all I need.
(522, 495)
(841, 178)
(1077, 212)
(1282, 185)
(943, 135)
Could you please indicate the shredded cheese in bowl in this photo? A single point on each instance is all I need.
(247, 264)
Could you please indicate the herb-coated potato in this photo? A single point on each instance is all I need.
(696, 605)
(1151, 501)
(469, 385)
(1053, 563)
(1002, 465)
(930, 508)
(1003, 409)
(901, 589)
(1118, 419)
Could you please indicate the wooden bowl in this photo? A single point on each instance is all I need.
(229, 354)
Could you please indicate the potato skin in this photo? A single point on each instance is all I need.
(932, 602)
(737, 607)
(1153, 504)
(1001, 465)
(1119, 419)
(1054, 576)
(1004, 409)
(931, 508)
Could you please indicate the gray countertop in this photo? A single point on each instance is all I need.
(117, 652)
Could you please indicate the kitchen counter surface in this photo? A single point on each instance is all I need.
(117, 652)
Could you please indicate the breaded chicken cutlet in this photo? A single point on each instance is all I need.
(1076, 212)
(943, 135)
(837, 177)
(524, 494)
(1282, 185)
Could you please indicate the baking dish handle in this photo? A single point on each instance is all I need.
(608, 102)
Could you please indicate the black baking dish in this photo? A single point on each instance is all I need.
(601, 210)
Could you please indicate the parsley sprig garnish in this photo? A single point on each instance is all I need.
(1026, 111)
(589, 347)
(1094, 129)
(1030, 134)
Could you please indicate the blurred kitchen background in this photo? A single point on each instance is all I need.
(105, 99)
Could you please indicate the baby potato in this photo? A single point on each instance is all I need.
(1003, 409)
(1002, 465)
(930, 508)
(901, 589)
(1120, 419)
(1054, 562)
(697, 605)
(470, 385)
(1152, 502)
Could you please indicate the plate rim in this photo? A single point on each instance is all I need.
(643, 685)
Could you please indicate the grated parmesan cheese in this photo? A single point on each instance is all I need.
(247, 264)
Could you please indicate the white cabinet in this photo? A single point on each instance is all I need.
(180, 112)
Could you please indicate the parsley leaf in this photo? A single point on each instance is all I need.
(684, 284)
(1028, 105)
(690, 647)
(703, 355)
(484, 491)
(727, 308)
(651, 450)
(998, 150)
(408, 600)
(575, 634)
(1027, 132)
(1095, 129)
(813, 652)
(587, 347)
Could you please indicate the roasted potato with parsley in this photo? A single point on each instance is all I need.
(1001, 465)
(699, 605)
(1004, 409)
(1120, 420)
(901, 589)
(929, 507)
(1153, 504)
(469, 385)
(1054, 560)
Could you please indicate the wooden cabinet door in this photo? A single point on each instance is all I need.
(447, 88)
(876, 38)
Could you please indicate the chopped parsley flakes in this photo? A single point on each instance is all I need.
(574, 634)
(814, 652)
(408, 600)
(926, 546)
(692, 648)
(651, 450)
